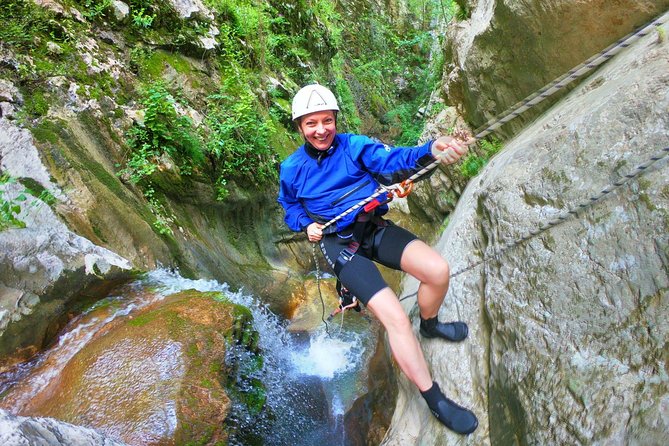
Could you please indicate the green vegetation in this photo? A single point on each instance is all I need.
(38, 191)
(10, 208)
(473, 162)
(379, 68)
(239, 142)
(460, 9)
(163, 133)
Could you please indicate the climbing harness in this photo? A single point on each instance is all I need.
(347, 300)
(404, 188)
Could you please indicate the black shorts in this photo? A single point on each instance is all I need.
(383, 244)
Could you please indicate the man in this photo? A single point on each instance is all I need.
(329, 174)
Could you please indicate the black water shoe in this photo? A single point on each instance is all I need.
(456, 418)
(451, 331)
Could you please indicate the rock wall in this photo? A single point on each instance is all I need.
(568, 330)
(44, 265)
(24, 431)
(508, 49)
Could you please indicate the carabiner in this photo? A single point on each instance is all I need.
(404, 189)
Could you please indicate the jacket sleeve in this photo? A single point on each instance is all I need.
(296, 217)
(391, 164)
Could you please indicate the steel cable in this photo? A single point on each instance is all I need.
(524, 105)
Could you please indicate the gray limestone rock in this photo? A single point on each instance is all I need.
(192, 9)
(568, 329)
(34, 259)
(28, 431)
(508, 49)
(120, 11)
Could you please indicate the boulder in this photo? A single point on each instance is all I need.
(192, 9)
(27, 431)
(568, 328)
(156, 377)
(44, 266)
(120, 11)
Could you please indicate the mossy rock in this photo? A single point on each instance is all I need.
(156, 377)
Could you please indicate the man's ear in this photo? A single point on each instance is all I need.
(298, 126)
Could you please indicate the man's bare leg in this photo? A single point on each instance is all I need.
(403, 343)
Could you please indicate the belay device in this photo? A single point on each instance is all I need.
(347, 301)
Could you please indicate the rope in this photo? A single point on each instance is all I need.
(524, 105)
(318, 285)
(567, 78)
(564, 215)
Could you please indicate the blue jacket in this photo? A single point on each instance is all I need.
(318, 186)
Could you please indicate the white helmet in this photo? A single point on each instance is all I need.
(313, 98)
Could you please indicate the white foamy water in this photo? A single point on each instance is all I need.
(325, 356)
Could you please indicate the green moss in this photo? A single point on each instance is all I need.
(204, 439)
(98, 232)
(215, 368)
(46, 132)
(37, 104)
(143, 319)
(664, 192)
(56, 133)
(241, 312)
(100, 173)
(180, 63)
(154, 65)
(192, 350)
(645, 199)
(38, 191)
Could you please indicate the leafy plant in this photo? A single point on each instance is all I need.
(22, 21)
(491, 146)
(463, 11)
(473, 163)
(142, 20)
(96, 8)
(163, 131)
(163, 218)
(239, 143)
(410, 127)
(11, 208)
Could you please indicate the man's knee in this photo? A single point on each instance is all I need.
(393, 318)
(439, 272)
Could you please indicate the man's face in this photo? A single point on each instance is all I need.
(319, 129)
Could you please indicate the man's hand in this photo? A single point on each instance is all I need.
(315, 232)
(450, 149)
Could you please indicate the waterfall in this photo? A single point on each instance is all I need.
(310, 379)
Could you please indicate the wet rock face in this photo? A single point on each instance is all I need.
(19, 431)
(36, 260)
(568, 330)
(508, 48)
(154, 379)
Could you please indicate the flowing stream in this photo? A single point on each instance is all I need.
(311, 380)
